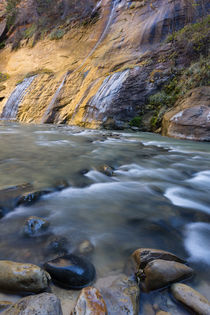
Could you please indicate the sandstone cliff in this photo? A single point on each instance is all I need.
(96, 63)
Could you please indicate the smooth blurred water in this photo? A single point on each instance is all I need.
(159, 196)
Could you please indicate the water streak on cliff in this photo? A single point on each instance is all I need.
(104, 33)
(11, 107)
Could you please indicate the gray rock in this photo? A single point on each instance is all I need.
(22, 277)
(191, 298)
(90, 301)
(34, 226)
(121, 296)
(41, 304)
(159, 273)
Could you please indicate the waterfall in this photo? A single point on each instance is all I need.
(11, 107)
(52, 103)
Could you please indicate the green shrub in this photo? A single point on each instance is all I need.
(3, 77)
(57, 34)
(136, 121)
(30, 31)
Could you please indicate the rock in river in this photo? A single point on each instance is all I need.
(197, 303)
(43, 304)
(143, 256)
(90, 301)
(71, 271)
(22, 277)
(159, 273)
(34, 226)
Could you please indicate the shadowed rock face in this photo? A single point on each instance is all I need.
(108, 65)
(190, 119)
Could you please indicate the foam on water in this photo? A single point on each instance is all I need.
(197, 242)
(186, 198)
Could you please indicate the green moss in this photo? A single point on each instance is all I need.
(30, 31)
(57, 34)
(3, 77)
(136, 121)
(36, 72)
(11, 12)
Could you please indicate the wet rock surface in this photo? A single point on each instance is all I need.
(9, 197)
(85, 248)
(71, 271)
(90, 301)
(57, 245)
(143, 256)
(22, 277)
(192, 299)
(43, 304)
(121, 295)
(159, 273)
(35, 226)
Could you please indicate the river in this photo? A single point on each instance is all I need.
(158, 196)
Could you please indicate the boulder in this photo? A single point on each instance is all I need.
(197, 303)
(43, 304)
(143, 256)
(121, 296)
(159, 273)
(34, 226)
(190, 118)
(22, 277)
(71, 271)
(90, 301)
(106, 169)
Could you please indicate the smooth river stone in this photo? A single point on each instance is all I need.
(71, 271)
(90, 301)
(143, 256)
(196, 302)
(160, 273)
(22, 277)
(41, 304)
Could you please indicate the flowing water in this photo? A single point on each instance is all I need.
(158, 197)
(11, 107)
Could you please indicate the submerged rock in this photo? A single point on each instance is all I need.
(85, 248)
(106, 169)
(197, 303)
(34, 226)
(31, 197)
(71, 271)
(9, 197)
(43, 304)
(57, 245)
(159, 273)
(90, 301)
(22, 277)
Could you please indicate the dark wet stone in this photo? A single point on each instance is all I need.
(34, 226)
(31, 197)
(106, 169)
(71, 271)
(9, 197)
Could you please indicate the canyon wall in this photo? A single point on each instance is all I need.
(107, 64)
